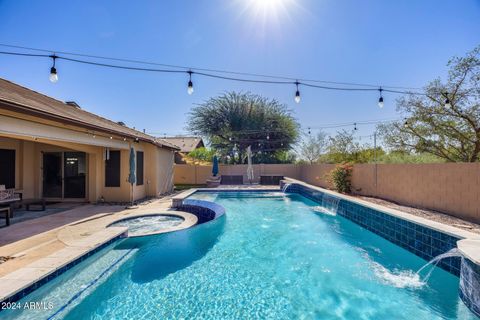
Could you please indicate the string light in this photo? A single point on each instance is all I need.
(355, 126)
(380, 100)
(218, 75)
(297, 93)
(190, 83)
(53, 71)
(447, 101)
(406, 123)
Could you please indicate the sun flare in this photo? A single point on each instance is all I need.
(266, 15)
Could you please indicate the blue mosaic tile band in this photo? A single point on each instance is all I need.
(470, 285)
(204, 210)
(422, 241)
(24, 292)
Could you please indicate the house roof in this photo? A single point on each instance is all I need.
(186, 144)
(20, 99)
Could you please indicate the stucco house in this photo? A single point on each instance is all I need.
(186, 145)
(58, 151)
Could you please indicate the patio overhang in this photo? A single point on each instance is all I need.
(30, 130)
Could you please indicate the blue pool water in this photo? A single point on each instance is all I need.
(270, 257)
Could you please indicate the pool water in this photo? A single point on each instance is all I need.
(148, 224)
(270, 257)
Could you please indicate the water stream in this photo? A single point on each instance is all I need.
(450, 253)
(329, 205)
(285, 187)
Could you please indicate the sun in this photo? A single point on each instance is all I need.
(264, 16)
(267, 7)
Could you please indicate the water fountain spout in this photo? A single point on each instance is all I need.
(449, 254)
(285, 187)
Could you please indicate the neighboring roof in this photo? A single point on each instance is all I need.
(20, 99)
(186, 144)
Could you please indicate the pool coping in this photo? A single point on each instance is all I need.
(17, 284)
(189, 220)
(23, 281)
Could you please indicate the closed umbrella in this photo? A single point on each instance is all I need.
(131, 175)
(215, 166)
(250, 176)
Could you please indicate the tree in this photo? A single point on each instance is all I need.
(202, 154)
(234, 121)
(450, 131)
(341, 148)
(312, 147)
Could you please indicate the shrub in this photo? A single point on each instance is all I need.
(202, 154)
(341, 176)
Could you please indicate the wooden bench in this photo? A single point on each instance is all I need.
(231, 179)
(270, 179)
(28, 203)
(6, 211)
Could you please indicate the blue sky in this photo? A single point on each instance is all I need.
(396, 43)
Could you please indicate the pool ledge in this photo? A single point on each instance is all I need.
(23, 281)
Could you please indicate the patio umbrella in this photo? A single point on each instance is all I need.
(131, 175)
(215, 166)
(249, 167)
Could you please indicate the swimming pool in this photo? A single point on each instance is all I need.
(271, 256)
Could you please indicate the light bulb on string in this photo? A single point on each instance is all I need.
(297, 93)
(355, 126)
(53, 71)
(380, 100)
(447, 101)
(190, 83)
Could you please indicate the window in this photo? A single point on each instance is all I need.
(112, 170)
(139, 168)
(7, 168)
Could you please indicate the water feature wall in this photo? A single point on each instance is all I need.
(470, 285)
(204, 210)
(420, 240)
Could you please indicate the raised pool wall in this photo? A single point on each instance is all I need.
(422, 240)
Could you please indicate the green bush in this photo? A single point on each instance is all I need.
(341, 176)
(202, 154)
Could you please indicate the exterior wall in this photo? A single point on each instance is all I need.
(453, 188)
(164, 174)
(158, 169)
(316, 174)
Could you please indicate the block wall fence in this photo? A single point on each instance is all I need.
(452, 188)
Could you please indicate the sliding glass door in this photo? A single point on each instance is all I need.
(64, 175)
(74, 173)
(52, 175)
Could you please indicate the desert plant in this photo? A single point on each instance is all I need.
(341, 176)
